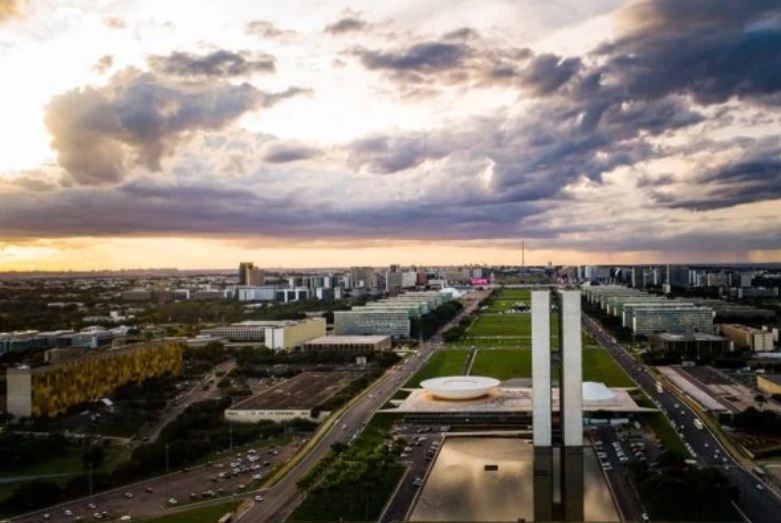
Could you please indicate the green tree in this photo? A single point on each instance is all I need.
(93, 457)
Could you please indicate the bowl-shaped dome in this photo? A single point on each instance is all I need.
(595, 391)
(459, 387)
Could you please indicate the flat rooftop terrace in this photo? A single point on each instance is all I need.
(507, 400)
(347, 340)
(303, 391)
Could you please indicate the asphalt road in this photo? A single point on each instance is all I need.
(618, 475)
(281, 499)
(757, 502)
(178, 485)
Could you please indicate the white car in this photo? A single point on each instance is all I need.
(258, 498)
(173, 501)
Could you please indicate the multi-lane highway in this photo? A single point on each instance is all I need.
(758, 503)
(281, 499)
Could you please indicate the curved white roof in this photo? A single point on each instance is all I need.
(452, 291)
(459, 387)
(596, 391)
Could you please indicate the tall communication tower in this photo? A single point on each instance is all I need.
(523, 254)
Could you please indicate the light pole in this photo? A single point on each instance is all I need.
(90, 478)
(230, 436)
(167, 446)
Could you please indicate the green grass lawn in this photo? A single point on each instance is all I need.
(443, 363)
(514, 294)
(208, 514)
(68, 463)
(501, 325)
(492, 343)
(599, 365)
(664, 431)
(503, 364)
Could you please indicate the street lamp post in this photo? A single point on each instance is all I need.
(166, 458)
(90, 478)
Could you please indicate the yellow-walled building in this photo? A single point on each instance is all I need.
(50, 390)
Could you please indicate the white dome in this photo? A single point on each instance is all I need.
(452, 291)
(595, 391)
(459, 387)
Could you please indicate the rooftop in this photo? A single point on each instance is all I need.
(516, 399)
(345, 340)
(303, 391)
(775, 378)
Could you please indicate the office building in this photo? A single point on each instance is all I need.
(349, 343)
(361, 321)
(541, 370)
(256, 293)
(698, 347)
(362, 278)
(684, 319)
(570, 396)
(769, 384)
(392, 317)
(755, 292)
(244, 268)
(677, 276)
(293, 333)
(717, 279)
(50, 390)
(254, 277)
(409, 279)
(393, 281)
(273, 334)
(571, 368)
(744, 337)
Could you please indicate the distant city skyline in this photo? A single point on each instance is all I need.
(368, 133)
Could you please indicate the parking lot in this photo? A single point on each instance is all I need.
(421, 443)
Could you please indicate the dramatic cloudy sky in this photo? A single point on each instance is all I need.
(143, 133)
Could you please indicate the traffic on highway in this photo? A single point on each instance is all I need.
(758, 503)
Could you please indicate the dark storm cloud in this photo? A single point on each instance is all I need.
(390, 154)
(712, 51)
(422, 57)
(140, 118)
(457, 59)
(347, 24)
(220, 63)
(281, 152)
(756, 177)
(536, 155)
(180, 209)
(462, 33)
(34, 182)
(547, 72)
